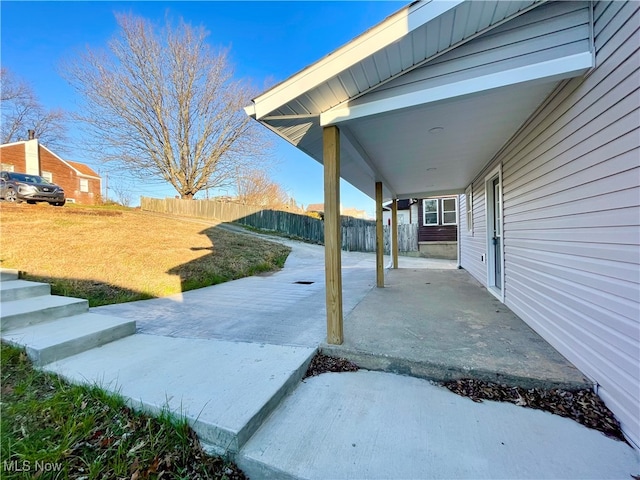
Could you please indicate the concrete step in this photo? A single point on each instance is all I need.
(57, 339)
(8, 274)
(29, 311)
(224, 389)
(11, 290)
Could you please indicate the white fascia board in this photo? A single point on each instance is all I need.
(12, 144)
(550, 70)
(250, 110)
(385, 33)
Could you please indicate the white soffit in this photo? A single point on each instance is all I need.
(550, 70)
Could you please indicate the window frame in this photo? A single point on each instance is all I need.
(455, 211)
(424, 212)
(469, 207)
(48, 176)
(85, 182)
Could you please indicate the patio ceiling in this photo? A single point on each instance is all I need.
(428, 97)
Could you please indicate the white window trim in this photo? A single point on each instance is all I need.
(86, 182)
(455, 210)
(424, 212)
(469, 207)
(5, 167)
(47, 176)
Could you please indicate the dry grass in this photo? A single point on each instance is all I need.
(110, 255)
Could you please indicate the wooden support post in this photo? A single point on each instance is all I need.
(379, 238)
(332, 234)
(394, 232)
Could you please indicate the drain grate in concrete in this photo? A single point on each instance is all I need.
(303, 282)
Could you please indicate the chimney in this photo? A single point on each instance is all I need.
(32, 154)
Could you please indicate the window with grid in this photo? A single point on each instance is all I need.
(430, 211)
(449, 211)
(84, 185)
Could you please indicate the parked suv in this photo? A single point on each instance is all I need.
(22, 187)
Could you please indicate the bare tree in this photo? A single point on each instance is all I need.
(254, 187)
(22, 111)
(161, 102)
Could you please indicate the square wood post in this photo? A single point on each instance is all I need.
(379, 238)
(394, 232)
(332, 234)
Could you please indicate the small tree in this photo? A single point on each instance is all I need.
(254, 187)
(162, 103)
(22, 111)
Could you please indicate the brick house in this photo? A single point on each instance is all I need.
(81, 184)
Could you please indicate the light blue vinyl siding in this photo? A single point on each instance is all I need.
(571, 191)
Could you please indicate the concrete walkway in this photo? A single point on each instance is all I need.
(229, 358)
(271, 308)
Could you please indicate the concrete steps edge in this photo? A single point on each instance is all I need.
(39, 315)
(9, 274)
(25, 290)
(81, 344)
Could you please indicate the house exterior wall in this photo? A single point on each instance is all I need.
(69, 179)
(49, 164)
(13, 155)
(438, 240)
(435, 233)
(571, 206)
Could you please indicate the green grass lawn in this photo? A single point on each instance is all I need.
(53, 430)
(108, 255)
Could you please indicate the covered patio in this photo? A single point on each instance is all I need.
(441, 324)
(510, 107)
(414, 107)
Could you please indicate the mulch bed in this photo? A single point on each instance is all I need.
(583, 406)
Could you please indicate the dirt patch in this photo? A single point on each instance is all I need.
(583, 406)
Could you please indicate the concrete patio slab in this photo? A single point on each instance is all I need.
(224, 389)
(372, 425)
(443, 325)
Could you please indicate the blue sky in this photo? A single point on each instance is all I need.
(269, 42)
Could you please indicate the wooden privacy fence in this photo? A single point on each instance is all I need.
(357, 235)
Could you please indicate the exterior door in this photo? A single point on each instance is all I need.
(496, 239)
(493, 192)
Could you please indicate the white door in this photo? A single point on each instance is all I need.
(493, 191)
(496, 240)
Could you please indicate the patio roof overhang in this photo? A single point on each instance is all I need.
(420, 105)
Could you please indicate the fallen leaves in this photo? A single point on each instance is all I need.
(583, 406)
(323, 364)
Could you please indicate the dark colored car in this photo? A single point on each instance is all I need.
(23, 187)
